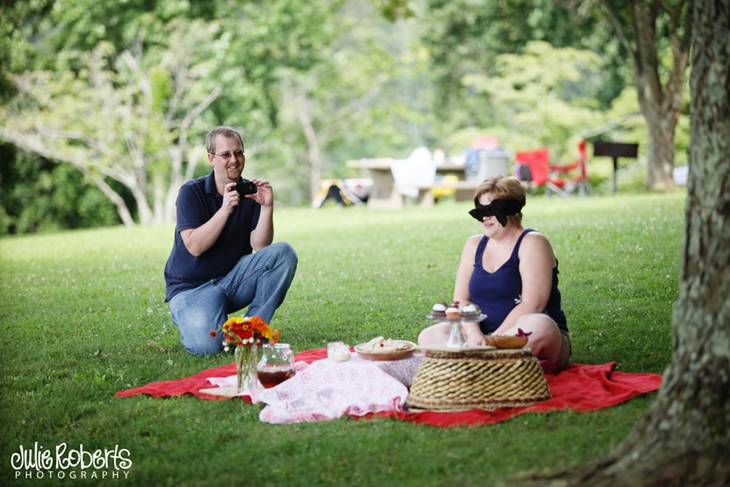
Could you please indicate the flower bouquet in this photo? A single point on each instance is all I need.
(247, 334)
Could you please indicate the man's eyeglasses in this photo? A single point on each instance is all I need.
(227, 154)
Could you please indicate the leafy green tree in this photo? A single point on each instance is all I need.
(270, 51)
(464, 38)
(544, 96)
(38, 195)
(128, 89)
(369, 96)
(122, 117)
(648, 30)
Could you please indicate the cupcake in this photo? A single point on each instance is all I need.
(453, 313)
(438, 310)
(471, 310)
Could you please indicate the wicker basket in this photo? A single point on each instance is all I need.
(456, 380)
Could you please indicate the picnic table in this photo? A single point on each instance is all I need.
(385, 194)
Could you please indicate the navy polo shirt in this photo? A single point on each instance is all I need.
(197, 202)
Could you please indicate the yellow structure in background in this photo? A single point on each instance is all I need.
(446, 190)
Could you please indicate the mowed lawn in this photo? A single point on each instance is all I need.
(82, 316)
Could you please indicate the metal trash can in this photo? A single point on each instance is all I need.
(482, 164)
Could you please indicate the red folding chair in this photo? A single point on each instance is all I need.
(579, 181)
(540, 172)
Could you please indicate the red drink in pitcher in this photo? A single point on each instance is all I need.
(276, 365)
(274, 376)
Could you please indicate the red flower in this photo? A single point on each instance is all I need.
(213, 333)
(237, 330)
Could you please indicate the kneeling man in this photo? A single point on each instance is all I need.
(212, 269)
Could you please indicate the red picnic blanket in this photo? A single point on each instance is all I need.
(580, 387)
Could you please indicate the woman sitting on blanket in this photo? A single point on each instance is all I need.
(511, 273)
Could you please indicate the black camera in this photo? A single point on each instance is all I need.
(245, 187)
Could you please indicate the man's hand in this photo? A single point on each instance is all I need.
(199, 240)
(264, 194)
(263, 234)
(230, 198)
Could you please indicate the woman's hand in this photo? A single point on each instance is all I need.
(473, 335)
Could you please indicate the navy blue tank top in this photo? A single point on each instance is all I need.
(498, 292)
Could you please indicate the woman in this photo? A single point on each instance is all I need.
(511, 273)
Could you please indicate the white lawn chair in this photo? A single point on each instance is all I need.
(416, 175)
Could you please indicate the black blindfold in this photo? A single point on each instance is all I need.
(500, 209)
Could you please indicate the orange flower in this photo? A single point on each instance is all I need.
(258, 324)
(238, 329)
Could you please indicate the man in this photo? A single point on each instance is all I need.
(211, 270)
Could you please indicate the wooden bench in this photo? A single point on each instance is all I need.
(464, 191)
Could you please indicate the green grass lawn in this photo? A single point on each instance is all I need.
(83, 316)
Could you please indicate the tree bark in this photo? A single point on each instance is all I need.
(684, 438)
(660, 153)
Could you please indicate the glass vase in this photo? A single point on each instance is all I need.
(246, 357)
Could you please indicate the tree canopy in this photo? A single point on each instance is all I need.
(124, 92)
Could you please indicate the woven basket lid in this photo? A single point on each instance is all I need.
(484, 378)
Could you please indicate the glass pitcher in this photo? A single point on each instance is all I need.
(276, 364)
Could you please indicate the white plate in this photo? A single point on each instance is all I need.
(462, 319)
(388, 354)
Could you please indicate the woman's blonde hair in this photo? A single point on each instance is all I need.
(503, 187)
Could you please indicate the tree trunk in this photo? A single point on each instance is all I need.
(143, 208)
(314, 154)
(660, 154)
(684, 438)
(115, 198)
(158, 198)
(659, 104)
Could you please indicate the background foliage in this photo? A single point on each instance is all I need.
(311, 84)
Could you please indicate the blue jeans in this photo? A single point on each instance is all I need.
(259, 281)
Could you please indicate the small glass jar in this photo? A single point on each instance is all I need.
(276, 364)
(338, 351)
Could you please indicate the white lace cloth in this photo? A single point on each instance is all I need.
(326, 389)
